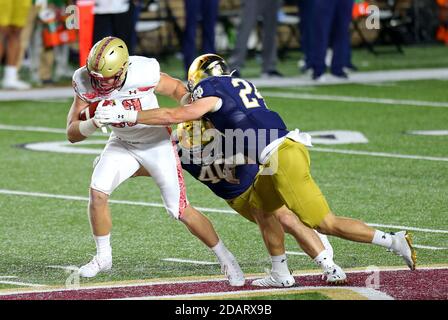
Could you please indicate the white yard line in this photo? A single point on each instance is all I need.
(204, 209)
(86, 199)
(23, 284)
(429, 132)
(317, 149)
(407, 228)
(296, 253)
(190, 261)
(40, 129)
(379, 154)
(67, 268)
(321, 97)
(428, 247)
(8, 277)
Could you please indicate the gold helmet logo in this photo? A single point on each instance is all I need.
(107, 64)
(204, 66)
(193, 134)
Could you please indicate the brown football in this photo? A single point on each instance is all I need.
(88, 112)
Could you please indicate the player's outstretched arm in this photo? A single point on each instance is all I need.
(158, 116)
(75, 130)
(171, 87)
(189, 112)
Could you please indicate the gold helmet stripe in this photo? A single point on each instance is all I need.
(100, 53)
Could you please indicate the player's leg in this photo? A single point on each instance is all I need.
(115, 165)
(267, 198)
(199, 226)
(18, 19)
(164, 166)
(355, 230)
(301, 195)
(273, 237)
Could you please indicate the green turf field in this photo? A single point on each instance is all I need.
(38, 232)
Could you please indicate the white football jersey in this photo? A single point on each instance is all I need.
(137, 93)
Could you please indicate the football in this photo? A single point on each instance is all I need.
(88, 112)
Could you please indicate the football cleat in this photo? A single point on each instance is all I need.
(275, 280)
(233, 273)
(15, 84)
(95, 266)
(334, 275)
(402, 246)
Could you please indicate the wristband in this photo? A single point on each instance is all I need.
(131, 116)
(87, 128)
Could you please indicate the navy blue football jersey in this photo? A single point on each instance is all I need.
(243, 117)
(227, 180)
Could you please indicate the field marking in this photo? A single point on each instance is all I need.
(78, 198)
(190, 261)
(192, 279)
(40, 129)
(160, 205)
(429, 132)
(407, 228)
(419, 246)
(379, 154)
(323, 97)
(66, 268)
(317, 149)
(22, 284)
(296, 253)
(355, 293)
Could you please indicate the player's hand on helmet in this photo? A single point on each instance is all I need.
(114, 114)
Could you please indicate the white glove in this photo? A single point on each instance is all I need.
(115, 114)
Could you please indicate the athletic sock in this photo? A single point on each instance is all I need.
(280, 264)
(103, 248)
(222, 253)
(382, 239)
(324, 260)
(10, 73)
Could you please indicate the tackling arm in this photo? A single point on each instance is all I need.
(171, 87)
(73, 122)
(168, 116)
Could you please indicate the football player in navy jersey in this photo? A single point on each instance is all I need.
(238, 111)
(201, 155)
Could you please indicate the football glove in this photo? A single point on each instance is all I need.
(115, 114)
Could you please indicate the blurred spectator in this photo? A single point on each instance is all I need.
(331, 28)
(13, 17)
(205, 11)
(136, 9)
(54, 56)
(306, 32)
(250, 11)
(113, 18)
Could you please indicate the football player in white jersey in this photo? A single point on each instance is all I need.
(112, 77)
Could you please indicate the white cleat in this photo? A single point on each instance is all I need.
(95, 266)
(402, 246)
(15, 84)
(233, 273)
(275, 280)
(334, 275)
